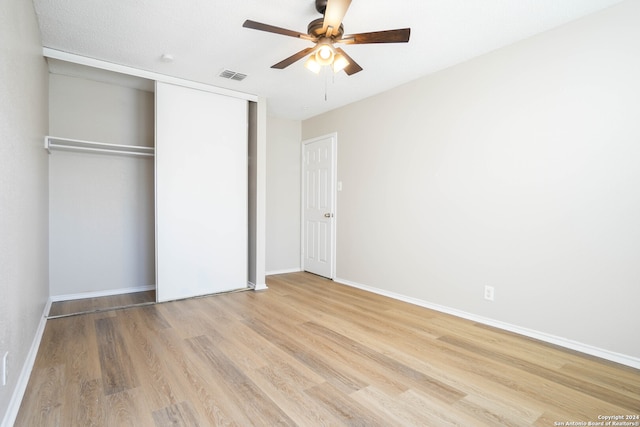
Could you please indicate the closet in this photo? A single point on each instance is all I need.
(148, 186)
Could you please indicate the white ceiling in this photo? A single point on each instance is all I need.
(206, 36)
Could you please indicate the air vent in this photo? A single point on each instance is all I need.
(228, 74)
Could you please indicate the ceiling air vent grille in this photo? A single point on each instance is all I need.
(228, 74)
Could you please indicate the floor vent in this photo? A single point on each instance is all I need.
(228, 74)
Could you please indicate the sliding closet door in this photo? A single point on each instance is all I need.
(201, 192)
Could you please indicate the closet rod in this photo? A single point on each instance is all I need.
(51, 142)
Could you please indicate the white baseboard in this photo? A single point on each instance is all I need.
(255, 287)
(623, 359)
(25, 373)
(105, 293)
(285, 271)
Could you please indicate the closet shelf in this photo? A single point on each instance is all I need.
(67, 144)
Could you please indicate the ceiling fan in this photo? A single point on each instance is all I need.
(327, 31)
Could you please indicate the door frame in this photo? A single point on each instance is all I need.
(334, 198)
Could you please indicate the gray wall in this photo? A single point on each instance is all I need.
(283, 195)
(23, 186)
(102, 232)
(519, 170)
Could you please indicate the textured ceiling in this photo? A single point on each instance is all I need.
(206, 36)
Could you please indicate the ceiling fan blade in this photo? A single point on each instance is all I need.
(334, 14)
(388, 36)
(293, 58)
(353, 66)
(276, 30)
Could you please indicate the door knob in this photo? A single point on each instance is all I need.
(328, 215)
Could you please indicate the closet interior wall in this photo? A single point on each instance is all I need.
(101, 206)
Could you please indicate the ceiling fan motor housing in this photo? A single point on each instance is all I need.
(315, 29)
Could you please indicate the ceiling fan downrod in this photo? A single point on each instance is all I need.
(321, 6)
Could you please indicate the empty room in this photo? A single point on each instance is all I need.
(320, 212)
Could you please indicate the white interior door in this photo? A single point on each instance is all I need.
(201, 192)
(318, 171)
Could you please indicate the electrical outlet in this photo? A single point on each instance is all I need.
(488, 293)
(5, 360)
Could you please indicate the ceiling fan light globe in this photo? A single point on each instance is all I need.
(339, 63)
(324, 61)
(325, 54)
(312, 65)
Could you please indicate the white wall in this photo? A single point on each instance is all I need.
(101, 205)
(518, 169)
(283, 195)
(23, 189)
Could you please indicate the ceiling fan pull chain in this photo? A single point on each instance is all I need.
(326, 77)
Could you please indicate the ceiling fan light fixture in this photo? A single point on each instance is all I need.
(339, 63)
(325, 53)
(312, 65)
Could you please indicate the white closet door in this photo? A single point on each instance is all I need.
(201, 192)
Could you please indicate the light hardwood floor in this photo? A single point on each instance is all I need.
(309, 352)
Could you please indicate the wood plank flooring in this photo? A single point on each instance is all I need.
(310, 352)
(65, 308)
